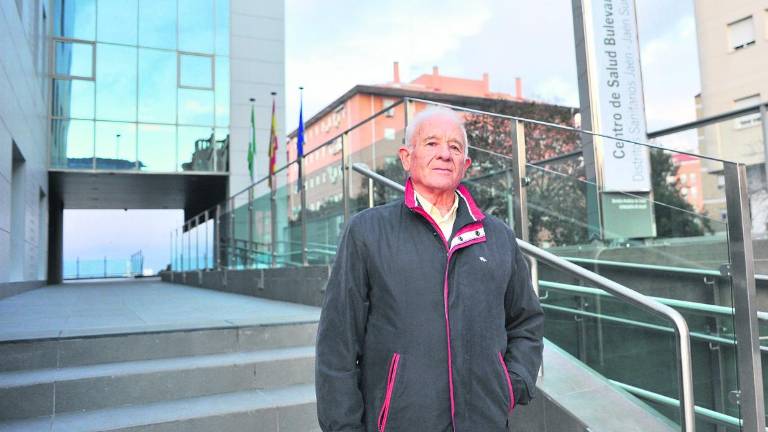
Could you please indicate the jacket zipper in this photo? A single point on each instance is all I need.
(449, 254)
(509, 382)
(391, 376)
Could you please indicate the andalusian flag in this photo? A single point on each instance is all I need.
(273, 142)
(252, 145)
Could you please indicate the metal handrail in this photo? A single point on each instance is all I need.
(682, 334)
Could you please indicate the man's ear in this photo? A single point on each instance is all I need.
(405, 157)
(467, 163)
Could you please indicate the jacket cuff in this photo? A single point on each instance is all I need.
(520, 389)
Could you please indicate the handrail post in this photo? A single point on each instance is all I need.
(249, 249)
(519, 181)
(232, 258)
(197, 242)
(764, 123)
(205, 250)
(303, 211)
(744, 297)
(189, 245)
(217, 237)
(273, 219)
(345, 173)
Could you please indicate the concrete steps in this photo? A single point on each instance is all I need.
(284, 409)
(235, 378)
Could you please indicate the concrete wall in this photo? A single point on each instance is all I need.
(305, 285)
(23, 143)
(257, 68)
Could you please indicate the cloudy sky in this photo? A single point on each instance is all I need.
(333, 45)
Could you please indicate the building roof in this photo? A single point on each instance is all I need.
(401, 92)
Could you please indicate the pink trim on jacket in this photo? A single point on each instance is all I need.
(391, 375)
(509, 383)
(477, 216)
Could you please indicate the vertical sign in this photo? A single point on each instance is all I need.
(611, 93)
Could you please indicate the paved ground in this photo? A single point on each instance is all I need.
(122, 306)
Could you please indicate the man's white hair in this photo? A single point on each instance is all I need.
(435, 111)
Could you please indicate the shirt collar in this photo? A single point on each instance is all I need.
(433, 211)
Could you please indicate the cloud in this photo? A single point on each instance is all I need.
(555, 89)
(671, 79)
(372, 37)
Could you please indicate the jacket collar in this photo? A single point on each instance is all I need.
(465, 199)
(466, 202)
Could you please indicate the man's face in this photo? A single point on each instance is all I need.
(436, 160)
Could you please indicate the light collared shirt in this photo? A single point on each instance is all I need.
(445, 222)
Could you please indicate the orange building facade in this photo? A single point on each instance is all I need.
(379, 132)
(688, 177)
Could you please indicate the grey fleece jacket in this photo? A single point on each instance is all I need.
(423, 333)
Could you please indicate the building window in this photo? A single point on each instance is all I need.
(741, 33)
(748, 120)
(195, 71)
(386, 103)
(73, 59)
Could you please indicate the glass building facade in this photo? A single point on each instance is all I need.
(140, 85)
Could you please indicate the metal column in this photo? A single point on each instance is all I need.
(197, 242)
(744, 298)
(346, 171)
(250, 249)
(205, 251)
(764, 121)
(519, 181)
(217, 237)
(303, 212)
(273, 220)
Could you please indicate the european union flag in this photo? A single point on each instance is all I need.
(300, 139)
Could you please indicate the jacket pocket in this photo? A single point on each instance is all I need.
(391, 377)
(508, 381)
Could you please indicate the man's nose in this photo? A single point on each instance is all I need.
(444, 151)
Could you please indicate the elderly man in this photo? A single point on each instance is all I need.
(429, 321)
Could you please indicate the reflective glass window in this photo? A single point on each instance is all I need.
(73, 98)
(72, 144)
(195, 107)
(157, 86)
(115, 82)
(195, 148)
(118, 21)
(115, 145)
(195, 71)
(157, 148)
(73, 59)
(157, 23)
(222, 91)
(75, 19)
(222, 27)
(222, 147)
(196, 24)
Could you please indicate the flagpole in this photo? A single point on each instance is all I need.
(272, 186)
(302, 190)
(252, 144)
(252, 168)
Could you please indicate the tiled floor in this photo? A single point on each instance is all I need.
(120, 306)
